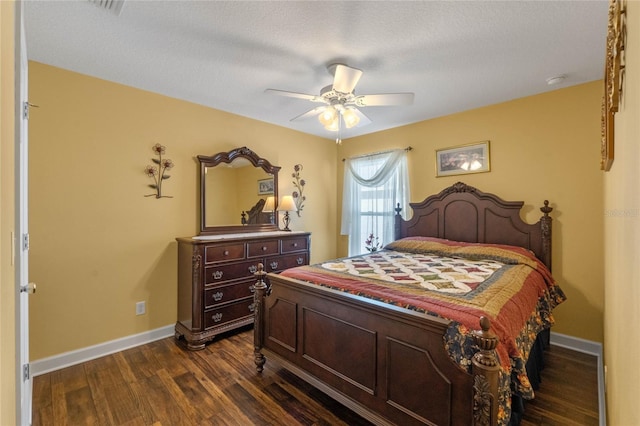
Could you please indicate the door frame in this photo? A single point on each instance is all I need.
(23, 377)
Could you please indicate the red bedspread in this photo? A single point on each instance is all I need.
(460, 282)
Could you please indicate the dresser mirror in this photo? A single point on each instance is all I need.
(235, 192)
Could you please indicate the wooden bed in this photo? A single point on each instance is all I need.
(388, 363)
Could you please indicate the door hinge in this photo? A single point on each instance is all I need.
(25, 109)
(25, 372)
(25, 242)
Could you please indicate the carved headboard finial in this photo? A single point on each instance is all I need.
(245, 151)
(546, 209)
(462, 187)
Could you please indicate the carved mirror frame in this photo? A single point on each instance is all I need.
(228, 157)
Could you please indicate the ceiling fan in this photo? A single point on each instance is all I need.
(340, 105)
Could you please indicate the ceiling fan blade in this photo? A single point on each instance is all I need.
(310, 113)
(312, 98)
(345, 78)
(384, 99)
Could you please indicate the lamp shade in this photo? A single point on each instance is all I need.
(328, 116)
(334, 125)
(350, 118)
(270, 204)
(287, 204)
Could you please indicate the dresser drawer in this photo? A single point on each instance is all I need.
(224, 314)
(262, 248)
(224, 252)
(280, 263)
(223, 273)
(290, 245)
(221, 294)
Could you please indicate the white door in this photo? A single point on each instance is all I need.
(22, 216)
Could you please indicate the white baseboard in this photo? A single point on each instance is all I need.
(67, 359)
(576, 344)
(591, 348)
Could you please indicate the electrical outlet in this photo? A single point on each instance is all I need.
(141, 308)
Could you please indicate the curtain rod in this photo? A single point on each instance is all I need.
(376, 153)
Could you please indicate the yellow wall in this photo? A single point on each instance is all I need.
(622, 243)
(7, 217)
(97, 244)
(542, 147)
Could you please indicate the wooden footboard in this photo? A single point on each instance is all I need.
(386, 363)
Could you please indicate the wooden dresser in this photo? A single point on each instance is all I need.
(215, 278)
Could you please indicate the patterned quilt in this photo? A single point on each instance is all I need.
(460, 282)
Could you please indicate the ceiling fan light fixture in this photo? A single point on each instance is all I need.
(350, 118)
(334, 126)
(328, 116)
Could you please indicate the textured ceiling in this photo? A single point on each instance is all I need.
(454, 55)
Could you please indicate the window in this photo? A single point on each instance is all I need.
(373, 186)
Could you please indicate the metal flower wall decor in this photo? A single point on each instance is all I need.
(158, 172)
(299, 183)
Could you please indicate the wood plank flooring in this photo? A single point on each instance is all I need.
(162, 383)
(568, 394)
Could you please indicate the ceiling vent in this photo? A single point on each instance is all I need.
(113, 6)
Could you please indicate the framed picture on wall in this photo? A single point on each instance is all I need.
(463, 159)
(265, 186)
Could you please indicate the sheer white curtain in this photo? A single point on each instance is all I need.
(373, 185)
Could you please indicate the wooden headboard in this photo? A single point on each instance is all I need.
(464, 213)
(256, 215)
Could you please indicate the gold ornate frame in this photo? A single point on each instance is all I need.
(613, 78)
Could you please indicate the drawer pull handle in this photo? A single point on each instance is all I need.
(264, 248)
(217, 275)
(218, 296)
(295, 244)
(300, 261)
(274, 265)
(252, 307)
(217, 317)
(253, 269)
(226, 253)
(252, 288)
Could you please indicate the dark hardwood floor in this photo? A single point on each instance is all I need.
(568, 394)
(162, 383)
